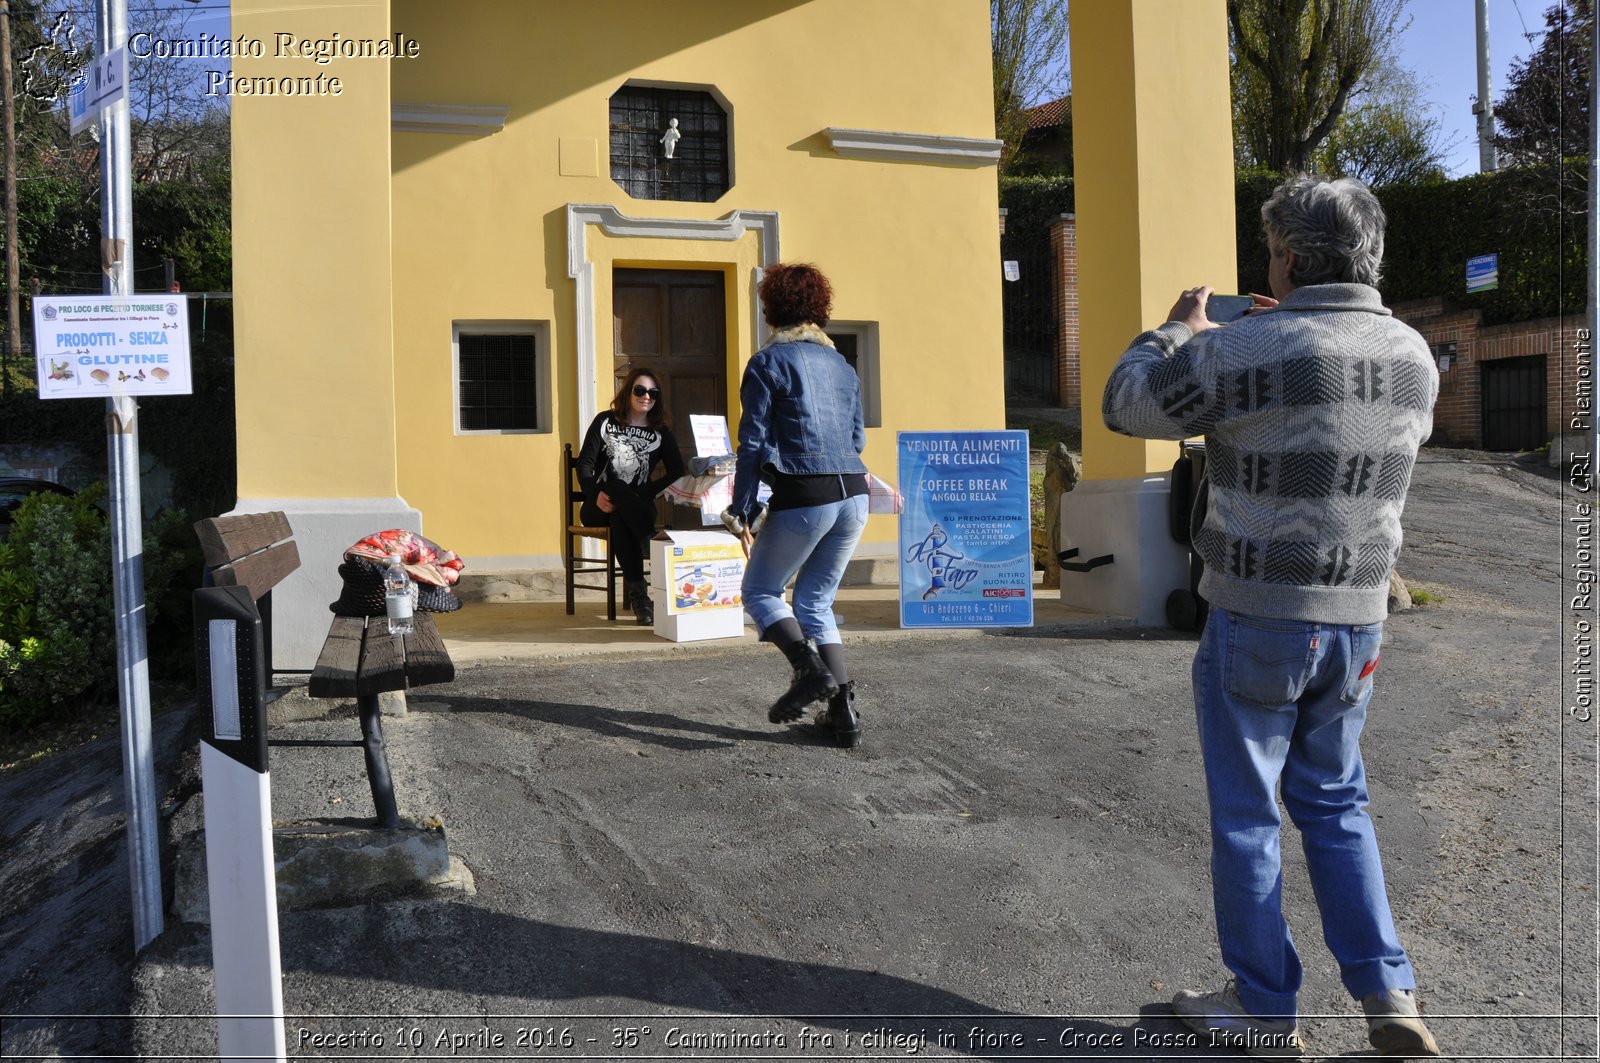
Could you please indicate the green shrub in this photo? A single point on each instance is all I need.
(58, 644)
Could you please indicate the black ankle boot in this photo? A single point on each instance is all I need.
(812, 682)
(839, 720)
(638, 593)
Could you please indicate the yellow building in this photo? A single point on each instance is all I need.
(442, 269)
(454, 224)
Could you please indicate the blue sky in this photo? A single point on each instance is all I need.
(1438, 45)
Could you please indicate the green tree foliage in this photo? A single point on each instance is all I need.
(1028, 40)
(1385, 137)
(1296, 64)
(1544, 115)
(190, 222)
(176, 130)
(49, 46)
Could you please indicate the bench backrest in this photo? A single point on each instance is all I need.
(252, 550)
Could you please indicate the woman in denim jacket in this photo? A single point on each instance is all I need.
(801, 433)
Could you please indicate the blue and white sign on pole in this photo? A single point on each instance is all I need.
(1483, 273)
(966, 544)
(99, 346)
(103, 82)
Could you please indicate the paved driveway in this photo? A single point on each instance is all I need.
(1013, 864)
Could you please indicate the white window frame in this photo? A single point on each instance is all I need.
(867, 367)
(540, 331)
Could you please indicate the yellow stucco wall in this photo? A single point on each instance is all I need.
(1152, 140)
(314, 372)
(480, 229)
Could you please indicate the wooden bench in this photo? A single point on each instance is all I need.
(359, 659)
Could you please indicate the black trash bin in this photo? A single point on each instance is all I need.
(1186, 512)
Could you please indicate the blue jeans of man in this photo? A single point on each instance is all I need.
(1282, 702)
(810, 545)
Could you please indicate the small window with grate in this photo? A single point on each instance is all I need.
(498, 376)
(669, 144)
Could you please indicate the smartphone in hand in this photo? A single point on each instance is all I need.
(1221, 309)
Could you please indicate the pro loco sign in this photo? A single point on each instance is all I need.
(92, 346)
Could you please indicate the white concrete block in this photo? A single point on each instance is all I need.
(1127, 519)
(323, 529)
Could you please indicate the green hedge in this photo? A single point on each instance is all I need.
(1031, 204)
(1532, 218)
(58, 644)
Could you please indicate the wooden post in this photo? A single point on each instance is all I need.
(8, 119)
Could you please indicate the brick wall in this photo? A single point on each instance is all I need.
(1064, 246)
(1458, 417)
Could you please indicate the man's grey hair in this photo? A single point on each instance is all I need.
(1334, 227)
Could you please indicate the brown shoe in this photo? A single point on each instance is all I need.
(1394, 1027)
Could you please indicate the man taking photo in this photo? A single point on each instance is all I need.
(1312, 407)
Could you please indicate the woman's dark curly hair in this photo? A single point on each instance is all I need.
(795, 294)
(619, 405)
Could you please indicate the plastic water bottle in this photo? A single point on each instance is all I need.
(397, 597)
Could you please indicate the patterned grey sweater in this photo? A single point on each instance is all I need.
(1312, 414)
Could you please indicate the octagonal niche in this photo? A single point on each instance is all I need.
(669, 143)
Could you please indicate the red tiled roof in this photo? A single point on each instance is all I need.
(1046, 115)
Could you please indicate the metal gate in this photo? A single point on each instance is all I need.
(1514, 403)
(1029, 306)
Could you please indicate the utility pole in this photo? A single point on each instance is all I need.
(1488, 158)
(8, 119)
(127, 524)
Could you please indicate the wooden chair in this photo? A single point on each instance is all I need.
(576, 564)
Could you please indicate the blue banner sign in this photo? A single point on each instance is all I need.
(966, 545)
(1483, 273)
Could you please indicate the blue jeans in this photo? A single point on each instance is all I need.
(811, 546)
(1283, 701)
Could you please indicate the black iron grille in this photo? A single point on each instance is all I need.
(698, 170)
(498, 382)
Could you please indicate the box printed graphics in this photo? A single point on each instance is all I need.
(695, 581)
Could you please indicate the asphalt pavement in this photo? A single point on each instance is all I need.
(1014, 864)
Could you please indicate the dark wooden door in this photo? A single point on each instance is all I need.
(673, 322)
(1514, 404)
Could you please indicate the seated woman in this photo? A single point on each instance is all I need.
(623, 446)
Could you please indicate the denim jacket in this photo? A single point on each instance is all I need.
(801, 414)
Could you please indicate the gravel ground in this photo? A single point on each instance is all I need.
(1017, 851)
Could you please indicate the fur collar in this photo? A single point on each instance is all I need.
(806, 333)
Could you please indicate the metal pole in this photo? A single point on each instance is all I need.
(127, 533)
(1488, 157)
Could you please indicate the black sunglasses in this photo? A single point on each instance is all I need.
(640, 391)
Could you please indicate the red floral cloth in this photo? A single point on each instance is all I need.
(425, 560)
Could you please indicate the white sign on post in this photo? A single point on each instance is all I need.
(711, 440)
(97, 346)
(103, 82)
